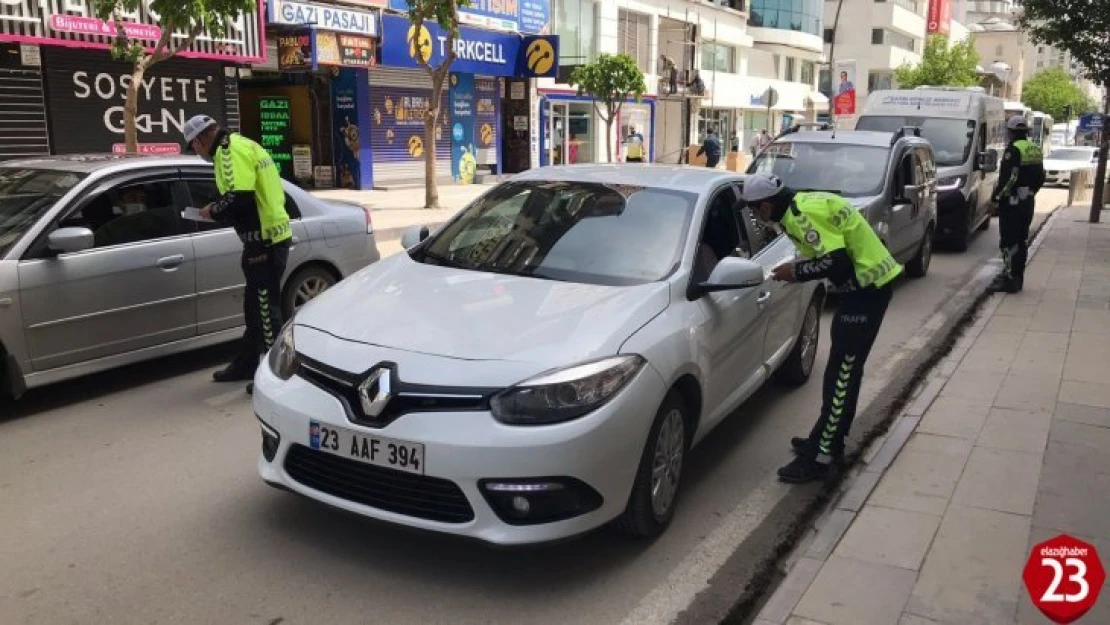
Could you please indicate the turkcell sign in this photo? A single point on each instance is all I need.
(477, 51)
(323, 16)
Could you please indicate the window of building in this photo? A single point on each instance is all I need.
(716, 57)
(1040, 64)
(876, 36)
(824, 82)
(881, 36)
(633, 36)
(576, 25)
(797, 15)
(879, 80)
(829, 35)
(791, 69)
(808, 68)
(1040, 50)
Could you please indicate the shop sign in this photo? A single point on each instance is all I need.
(295, 52)
(275, 120)
(73, 23)
(323, 16)
(355, 51)
(940, 15)
(524, 16)
(477, 51)
(302, 162)
(327, 49)
(156, 149)
(87, 93)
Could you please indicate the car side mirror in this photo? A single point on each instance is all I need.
(910, 193)
(69, 240)
(414, 236)
(733, 274)
(988, 161)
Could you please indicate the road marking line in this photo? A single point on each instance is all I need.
(225, 398)
(677, 592)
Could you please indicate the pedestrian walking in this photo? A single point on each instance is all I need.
(634, 146)
(837, 244)
(253, 201)
(711, 148)
(760, 142)
(1015, 195)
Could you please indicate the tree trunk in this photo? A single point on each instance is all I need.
(1100, 171)
(609, 137)
(431, 122)
(131, 106)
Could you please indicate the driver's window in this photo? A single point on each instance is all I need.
(129, 214)
(905, 175)
(722, 235)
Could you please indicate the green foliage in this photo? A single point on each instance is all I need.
(186, 17)
(443, 12)
(1051, 90)
(610, 80)
(1082, 27)
(942, 65)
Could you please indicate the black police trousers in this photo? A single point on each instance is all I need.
(1014, 221)
(263, 267)
(854, 329)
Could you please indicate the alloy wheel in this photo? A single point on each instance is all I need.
(308, 289)
(811, 329)
(666, 466)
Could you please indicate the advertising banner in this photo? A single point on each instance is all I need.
(539, 57)
(276, 124)
(488, 101)
(844, 102)
(478, 52)
(73, 23)
(524, 16)
(398, 130)
(940, 16)
(351, 123)
(295, 52)
(463, 161)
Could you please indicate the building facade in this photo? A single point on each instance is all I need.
(63, 93)
(1001, 47)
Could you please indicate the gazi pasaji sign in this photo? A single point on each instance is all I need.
(72, 23)
(87, 92)
(275, 122)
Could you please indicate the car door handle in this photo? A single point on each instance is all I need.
(171, 262)
(293, 243)
(763, 298)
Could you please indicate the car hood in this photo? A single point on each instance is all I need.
(1061, 165)
(402, 304)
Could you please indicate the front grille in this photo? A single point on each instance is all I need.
(412, 495)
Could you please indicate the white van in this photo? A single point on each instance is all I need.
(967, 129)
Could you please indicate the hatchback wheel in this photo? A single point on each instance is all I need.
(799, 364)
(305, 285)
(651, 505)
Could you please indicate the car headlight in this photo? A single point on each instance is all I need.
(565, 394)
(283, 354)
(949, 184)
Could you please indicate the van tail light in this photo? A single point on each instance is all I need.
(369, 220)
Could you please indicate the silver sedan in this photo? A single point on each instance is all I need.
(98, 268)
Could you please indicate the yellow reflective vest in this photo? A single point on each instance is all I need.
(243, 165)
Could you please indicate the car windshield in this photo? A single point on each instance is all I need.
(607, 234)
(951, 138)
(24, 195)
(1072, 155)
(850, 170)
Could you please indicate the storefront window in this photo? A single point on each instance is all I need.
(576, 25)
(718, 58)
(808, 68)
(879, 80)
(719, 121)
(633, 34)
(797, 15)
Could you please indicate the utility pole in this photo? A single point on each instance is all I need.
(832, 66)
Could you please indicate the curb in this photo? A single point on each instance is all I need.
(883, 443)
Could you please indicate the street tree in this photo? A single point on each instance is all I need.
(180, 22)
(1081, 27)
(610, 80)
(944, 64)
(1052, 90)
(445, 13)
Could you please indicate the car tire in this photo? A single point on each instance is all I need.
(797, 368)
(649, 511)
(304, 285)
(919, 266)
(986, 225)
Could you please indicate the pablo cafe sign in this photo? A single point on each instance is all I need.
(73, 22)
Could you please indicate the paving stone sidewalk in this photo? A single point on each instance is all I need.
(1013, 450)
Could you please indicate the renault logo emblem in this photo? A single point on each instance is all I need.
(374, 392)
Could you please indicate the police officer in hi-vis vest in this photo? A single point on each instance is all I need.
(252, 199)
(837, 244)
(1021, 177)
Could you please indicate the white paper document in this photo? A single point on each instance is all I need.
(193, 214)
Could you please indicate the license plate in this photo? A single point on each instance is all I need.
(376, 450)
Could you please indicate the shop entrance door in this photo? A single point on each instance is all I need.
(569, 133)
(557, 136)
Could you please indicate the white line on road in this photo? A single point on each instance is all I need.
(676, 593)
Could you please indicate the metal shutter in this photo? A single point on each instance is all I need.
(487, 119)
(23, 129)
(390, 133)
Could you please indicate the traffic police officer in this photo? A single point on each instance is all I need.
(253, 201)
(837, 244)
(1021, 177)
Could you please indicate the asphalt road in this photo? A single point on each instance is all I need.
(132, 497)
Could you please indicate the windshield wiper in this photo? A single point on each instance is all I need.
(443, 260)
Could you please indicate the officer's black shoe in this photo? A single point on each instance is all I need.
(250, 388)
(235, 372)
(1004, 284)
(800, 444)
(804, 469)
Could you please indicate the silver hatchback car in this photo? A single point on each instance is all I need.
(98, 269)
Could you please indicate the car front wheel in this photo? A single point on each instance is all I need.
(799, 364)
(651, 505)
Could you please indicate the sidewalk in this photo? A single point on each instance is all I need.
(1007, 445)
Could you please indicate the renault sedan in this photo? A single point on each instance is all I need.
(543, 363)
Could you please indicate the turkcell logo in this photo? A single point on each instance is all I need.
(457, 132)
(478, 51)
